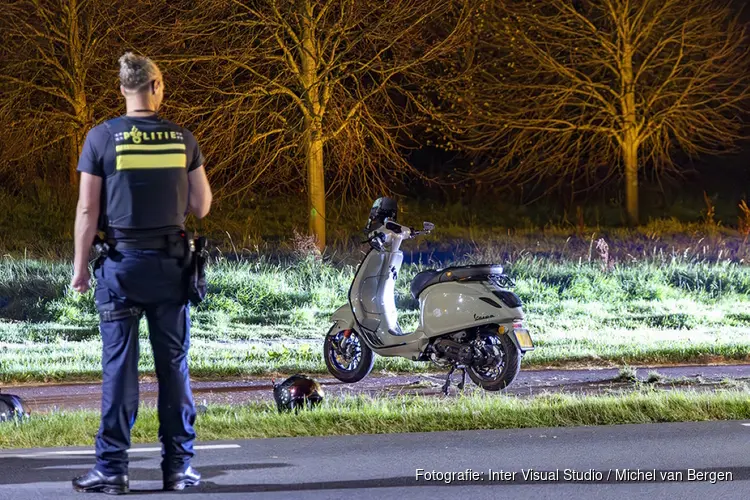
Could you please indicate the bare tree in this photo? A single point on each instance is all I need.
(573, 86)
(303, 89)
(59, 69)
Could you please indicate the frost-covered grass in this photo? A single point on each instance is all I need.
(265, 314)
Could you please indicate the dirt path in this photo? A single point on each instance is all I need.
(44, 398)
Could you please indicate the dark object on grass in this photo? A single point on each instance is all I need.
(298, 391)
(11, 407)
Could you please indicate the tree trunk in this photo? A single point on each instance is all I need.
(316, 185)
(80, 108)
(313, 126)
(73, 155)
(629, 141)
(75, 146)
(77, 138)
(630, 159)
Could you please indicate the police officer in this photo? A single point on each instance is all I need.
(140, 176)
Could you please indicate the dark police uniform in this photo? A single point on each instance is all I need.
(144, 163)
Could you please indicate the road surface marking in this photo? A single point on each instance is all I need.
(132, 450)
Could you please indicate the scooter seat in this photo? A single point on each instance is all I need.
(421, 280)
(430, 277)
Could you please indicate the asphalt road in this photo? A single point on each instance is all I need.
(590, 462)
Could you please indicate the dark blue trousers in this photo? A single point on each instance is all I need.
(138, 282)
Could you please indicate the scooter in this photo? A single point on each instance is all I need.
(468, 319)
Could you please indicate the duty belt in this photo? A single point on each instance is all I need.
(178, 245)
(154, 243)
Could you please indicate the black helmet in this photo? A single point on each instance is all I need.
(297, 391)
(11, 407)
(383, 208)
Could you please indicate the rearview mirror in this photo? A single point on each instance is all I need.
(429, 226)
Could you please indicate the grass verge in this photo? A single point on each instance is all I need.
(364, 415)
(267, 314)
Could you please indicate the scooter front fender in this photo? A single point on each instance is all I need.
(343, 319)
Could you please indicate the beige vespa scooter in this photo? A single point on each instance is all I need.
(468, 320)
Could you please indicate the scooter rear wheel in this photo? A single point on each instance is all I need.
(347, 358)
(499, 375)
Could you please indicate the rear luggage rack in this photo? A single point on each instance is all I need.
(501, 280)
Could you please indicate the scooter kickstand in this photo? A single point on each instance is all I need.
(463, 379)
(448, 380)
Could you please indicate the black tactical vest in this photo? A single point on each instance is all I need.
(146, 193)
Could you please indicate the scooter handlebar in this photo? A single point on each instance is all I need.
(377, 238)
(428, 227)
(413, 233)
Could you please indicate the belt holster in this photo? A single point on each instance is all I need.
(179, 246)
(198, 255)
(101, 248)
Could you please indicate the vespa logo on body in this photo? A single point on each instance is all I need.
(480, 317)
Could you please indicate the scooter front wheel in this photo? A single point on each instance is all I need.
(347, 357)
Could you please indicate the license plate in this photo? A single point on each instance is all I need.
(524, 339)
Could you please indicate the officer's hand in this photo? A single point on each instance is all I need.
(81, 281)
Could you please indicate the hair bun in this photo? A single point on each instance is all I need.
(128, 59)
(136, 71)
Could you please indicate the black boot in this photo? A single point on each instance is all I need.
(181, 480)
(94, 480)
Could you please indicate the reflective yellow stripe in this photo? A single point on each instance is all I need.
(171, 160)
(149, 147)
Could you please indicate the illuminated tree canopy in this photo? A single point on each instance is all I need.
(304, 90)
(322, 96)
(572, 87)
(58, 74)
